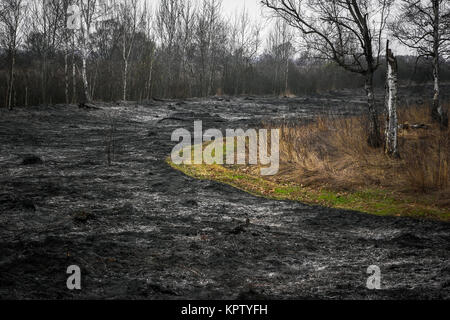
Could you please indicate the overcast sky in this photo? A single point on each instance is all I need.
(231, 6)
(253, 7)
(257, 13)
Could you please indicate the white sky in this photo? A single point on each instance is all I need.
(253, 7)
(259, 14)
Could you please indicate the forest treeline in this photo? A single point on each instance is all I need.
(261, 77)
(126, 50)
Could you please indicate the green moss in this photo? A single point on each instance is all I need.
(377, 202)
(287, 190)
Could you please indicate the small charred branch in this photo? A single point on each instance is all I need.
(88, 106)
(417, 126)
(391, 104)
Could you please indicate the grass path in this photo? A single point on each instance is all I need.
(378, 202)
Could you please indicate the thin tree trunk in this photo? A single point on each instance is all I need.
(85, 79)
(66, 74)
(11, 78)
(437, 110)
(44, 77)
(286, 76)
(437, 113)
(374, 136)
(84, 57)
(94, 81)
(391, 100)
(74, 73)
(150, 78)
(44, 56)
(125, 72)
(275, 80)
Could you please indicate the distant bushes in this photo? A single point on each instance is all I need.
(259, 77)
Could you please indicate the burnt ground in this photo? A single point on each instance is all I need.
(141, 230)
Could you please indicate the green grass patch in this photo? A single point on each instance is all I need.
(372, 201)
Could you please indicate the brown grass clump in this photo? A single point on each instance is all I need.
(332, 153)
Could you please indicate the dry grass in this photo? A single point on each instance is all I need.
(329, 163)
(331, 153)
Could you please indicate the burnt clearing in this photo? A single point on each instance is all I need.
(140, 230)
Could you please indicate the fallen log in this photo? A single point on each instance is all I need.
(417, 126)
(88, 106)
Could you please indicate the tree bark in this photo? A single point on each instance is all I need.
(150, 76)
(11, 77)
(66, 72)
(85, 79)
(286, 75)
(74, 73)
(437, 113)
(84, 57)
(125, 72)
(391, 105)
(374, 137)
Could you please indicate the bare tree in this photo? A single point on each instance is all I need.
(424, 26)
(89, 13)
(66, 36)
(208, 24)
(12, 15)
(245, 41)
(349, 32)
(149, 50)
(128, 19)
(167, 23)
(187, 48)
(46, 25)
(391, 104)
(186, 33)
(280, 48)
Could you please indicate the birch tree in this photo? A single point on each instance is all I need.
(391, 104)
(186, 39)
(87, 10)
(279, 46)
(208, 22)
(348, 32)
(47, 21)
(245, 41)
(12, 17)
(149, 50)
(424, 26)
(84, 16)
(128, 20)
(167, 24)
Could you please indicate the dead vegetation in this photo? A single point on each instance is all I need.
(330, 154)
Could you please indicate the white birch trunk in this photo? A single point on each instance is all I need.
(84, 57)
(74, 73)
(84, 77)
(391, 101)
(66, 72)
(125, 72)
(437, 113)
(11, 78)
